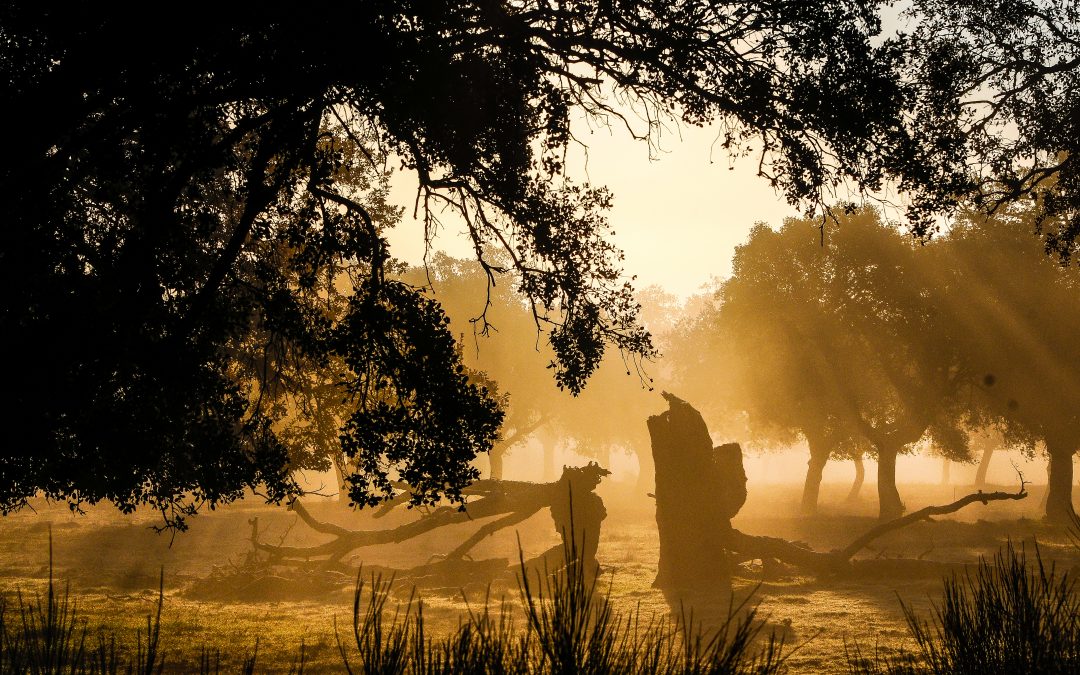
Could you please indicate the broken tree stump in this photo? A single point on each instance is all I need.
(699, 489)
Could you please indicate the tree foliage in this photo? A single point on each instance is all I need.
(1012, 314)
(180, 202)
(997, 83)
(840, 343)
(498, 333)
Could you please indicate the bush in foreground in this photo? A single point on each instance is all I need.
(1010, 615)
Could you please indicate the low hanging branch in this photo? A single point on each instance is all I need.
(508, 502)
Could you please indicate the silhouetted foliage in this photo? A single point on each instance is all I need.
(179, 203)
(1009, 615)
(998, 82)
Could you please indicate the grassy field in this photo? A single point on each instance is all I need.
(219, 599)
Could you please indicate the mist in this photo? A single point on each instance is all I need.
(589, 337)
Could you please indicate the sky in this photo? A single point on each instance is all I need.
(678, 216)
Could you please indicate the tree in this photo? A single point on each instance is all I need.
(496, 329)
(496, 322)
(748, 354)
(1015, 316)
(173, 197)
(996, 83)
(837, 342)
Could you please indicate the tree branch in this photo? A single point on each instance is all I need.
(925, 514)
(751, 547)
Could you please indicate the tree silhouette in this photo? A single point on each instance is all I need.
(499, 338)
(996, 83)
(174, 197)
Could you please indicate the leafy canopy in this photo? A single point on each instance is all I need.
(180, 206)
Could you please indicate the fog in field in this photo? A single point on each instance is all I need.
(728, 465)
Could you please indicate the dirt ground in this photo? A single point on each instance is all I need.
(218, 598)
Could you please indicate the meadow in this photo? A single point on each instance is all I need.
(224, 605)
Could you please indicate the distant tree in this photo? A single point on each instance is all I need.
(834, 341)
(609, 417)
(1016, 315)
(748, 360)
(988, 441)
(498, 333)
(906, 377)
(495, 322)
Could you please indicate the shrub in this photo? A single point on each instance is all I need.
(1010, 615)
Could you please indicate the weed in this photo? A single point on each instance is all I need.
(1010, 615)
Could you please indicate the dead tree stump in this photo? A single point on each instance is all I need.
(699, 489)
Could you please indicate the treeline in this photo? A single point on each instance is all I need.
(865, 341)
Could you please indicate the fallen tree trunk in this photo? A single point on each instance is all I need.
(505, 502)
(700, 488)
(928, 513)
(751, 547)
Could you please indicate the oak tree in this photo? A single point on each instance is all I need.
(173, 199)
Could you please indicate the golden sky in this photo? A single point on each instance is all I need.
(677, 217)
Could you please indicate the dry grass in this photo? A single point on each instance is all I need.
(113, 566)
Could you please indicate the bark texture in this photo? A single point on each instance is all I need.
(1059, 507)
(698, 490)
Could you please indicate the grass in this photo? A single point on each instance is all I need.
(568, 626)
(1010, 615)
(49, 637)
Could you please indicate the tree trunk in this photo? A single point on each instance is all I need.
(860, 478)
(495, 457)
(946, 466)
(338, 463)
(549, 459)
(819, 456)
(603, 456)
(646, 481)
(1059, 508)
(984, 464)
(889, 504)
(698, 489)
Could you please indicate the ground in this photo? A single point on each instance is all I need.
(217, 598)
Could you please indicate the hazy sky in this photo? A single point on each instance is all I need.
(677, 217)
